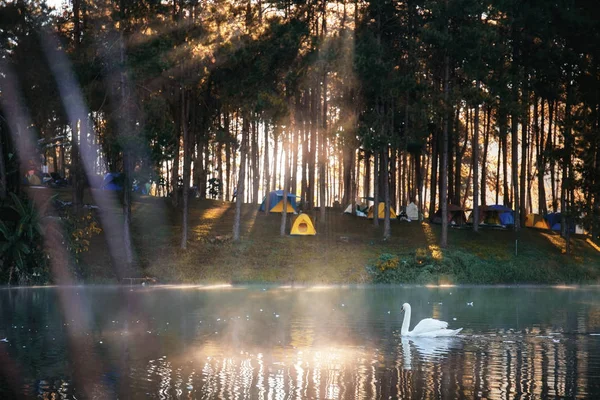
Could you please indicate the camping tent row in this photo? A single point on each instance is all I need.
(276, 202)
(499, 215)
(368, 212)
(412, 211)
(550, 221)
(494, 215)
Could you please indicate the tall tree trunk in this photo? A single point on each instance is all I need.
(242, 178)
(227, 157)
(295, 148)
(322, 140)
(75, 166)
(541, 161)
(459, 155)
(486, 142)
(387, 231)
(275, 153)
(444, 172)
(498, 171)
(175, 170)
(403, 180)
(3, 180)
(219, 167)
(285, 173)
(255, 161)
(434, 172)
(313, 148)
(266, 177)
(524, 146)
(367, 180)
(476, 165)
(186, 167)
(376, 189)
(392, 179)
(515, 168)
(552, 145)
(347, 164)
(504, 139)
(305, 140)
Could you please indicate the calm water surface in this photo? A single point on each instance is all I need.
(280, 343)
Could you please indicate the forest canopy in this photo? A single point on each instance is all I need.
(436, 102)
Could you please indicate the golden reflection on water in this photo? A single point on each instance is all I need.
(424, 368)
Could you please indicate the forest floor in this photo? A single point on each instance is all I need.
(339, 254)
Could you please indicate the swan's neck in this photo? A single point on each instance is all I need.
(406, 321)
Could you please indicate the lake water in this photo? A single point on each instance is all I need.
(278, 343)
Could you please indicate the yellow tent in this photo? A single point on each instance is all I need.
(303, 226)
(536, 221)
(381, 212)
(279, 208)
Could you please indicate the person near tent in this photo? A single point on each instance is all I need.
(234, 195)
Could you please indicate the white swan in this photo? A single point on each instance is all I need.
(428, 327)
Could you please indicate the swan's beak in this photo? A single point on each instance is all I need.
(402, 309)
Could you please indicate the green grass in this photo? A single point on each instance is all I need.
(339, 254)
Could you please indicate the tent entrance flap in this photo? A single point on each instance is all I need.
(303, 226)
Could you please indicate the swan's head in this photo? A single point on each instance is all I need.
(405, 307)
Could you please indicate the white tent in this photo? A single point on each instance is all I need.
(412, 211)
(348, 210)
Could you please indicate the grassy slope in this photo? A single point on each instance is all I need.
(339, 253)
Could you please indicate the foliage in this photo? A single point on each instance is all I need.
(460, 267)
(79, 231)
(21, 252)
(214, 187)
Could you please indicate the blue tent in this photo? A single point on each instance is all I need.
(276, 202)
(112, 181)
(554, 220)
(504, 213)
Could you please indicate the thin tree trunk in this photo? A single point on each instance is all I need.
(275, 153)
(367, 177)
(186, 168)
(484, 171)
(476, 165)
(376, 189)
(393, 179)
(434, 172)
(255, 161)
(285, 173)
(515, 169)
(524, 157)
(313, 149)
(241, 179)
(175, 169)
(267, 177)
(504, 139)
(551, 146)
(387, 231)
(322, 140)
(3, 180)
(541, 160)
(444, 172)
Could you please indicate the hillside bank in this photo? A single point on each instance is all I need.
(345, 250)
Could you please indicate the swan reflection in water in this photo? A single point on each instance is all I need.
(427, 349)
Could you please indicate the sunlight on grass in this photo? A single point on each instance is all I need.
(209, 219)
(594, 245)
(556, 240)
(436, 251)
